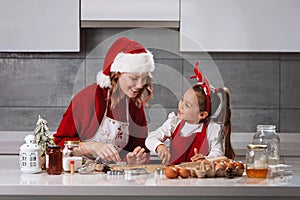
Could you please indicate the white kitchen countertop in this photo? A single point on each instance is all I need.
(15, 184)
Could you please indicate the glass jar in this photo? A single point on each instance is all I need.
(256, 161)
(266, 134)
(72, 152)
(54, 160)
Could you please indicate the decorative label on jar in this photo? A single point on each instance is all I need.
(47, 161)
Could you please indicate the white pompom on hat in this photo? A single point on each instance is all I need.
(125, 55)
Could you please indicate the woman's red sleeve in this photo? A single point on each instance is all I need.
(81, 119)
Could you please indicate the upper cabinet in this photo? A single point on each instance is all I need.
(39, 25)
(240, 25)
(205, 25)
(136, 13)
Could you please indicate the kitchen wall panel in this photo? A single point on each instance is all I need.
(93, 66)
(260, 83)
(249, 79)
(167, 83)
(38, 82)
(94, 39)
(237, 55)
(290, 95)
(245, 120)
(156, 115)
(289, 120)
(164, 44)
(25, 118)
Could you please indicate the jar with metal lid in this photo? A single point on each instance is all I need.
(72, 152)
(266, 134)
(54, 160)
(257, 161)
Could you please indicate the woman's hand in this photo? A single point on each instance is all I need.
(105, 151)
(163, 153)
(137, 157)
(197, 156)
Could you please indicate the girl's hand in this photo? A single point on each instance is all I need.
(105, 151)
(163, 153)
(137, 157)
(197, 156)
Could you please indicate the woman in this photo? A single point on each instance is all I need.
(108, 117)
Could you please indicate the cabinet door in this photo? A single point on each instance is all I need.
(39, 26)
(108, 12)
(240, 25)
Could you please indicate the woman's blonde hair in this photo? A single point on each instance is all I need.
(115, 90)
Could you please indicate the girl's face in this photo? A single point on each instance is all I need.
(131, 83)
(188, 108)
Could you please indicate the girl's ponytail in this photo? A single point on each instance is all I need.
(229, 152)
(221, 114)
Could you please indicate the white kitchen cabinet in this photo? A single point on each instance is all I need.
(240, 25)
(39, 26)
(124, 13)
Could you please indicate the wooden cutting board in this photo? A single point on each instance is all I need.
(152, 167)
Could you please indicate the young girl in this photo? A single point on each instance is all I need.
(193, 133)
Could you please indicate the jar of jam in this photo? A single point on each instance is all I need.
(257, 161)
(72, 153)
(54, 160)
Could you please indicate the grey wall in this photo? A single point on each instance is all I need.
(264, 86)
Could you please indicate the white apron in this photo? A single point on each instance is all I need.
(112, 131)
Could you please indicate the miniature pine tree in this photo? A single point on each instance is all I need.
(42, 135)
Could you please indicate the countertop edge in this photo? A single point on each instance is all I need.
(149, 190)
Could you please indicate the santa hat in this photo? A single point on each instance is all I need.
(125, 55)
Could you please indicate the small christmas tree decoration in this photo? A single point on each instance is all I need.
(29, 156)
(43, 138)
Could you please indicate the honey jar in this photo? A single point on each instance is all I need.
(257, 161)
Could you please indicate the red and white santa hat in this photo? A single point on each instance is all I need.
(125, 55)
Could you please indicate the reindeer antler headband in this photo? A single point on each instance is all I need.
(204, 85)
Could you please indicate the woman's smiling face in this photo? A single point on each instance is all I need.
(131, 83)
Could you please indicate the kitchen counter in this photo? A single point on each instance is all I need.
(16, 185)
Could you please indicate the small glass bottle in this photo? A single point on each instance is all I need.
(72, 152)
(266, 134)
(54, 160)
(256, 161)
